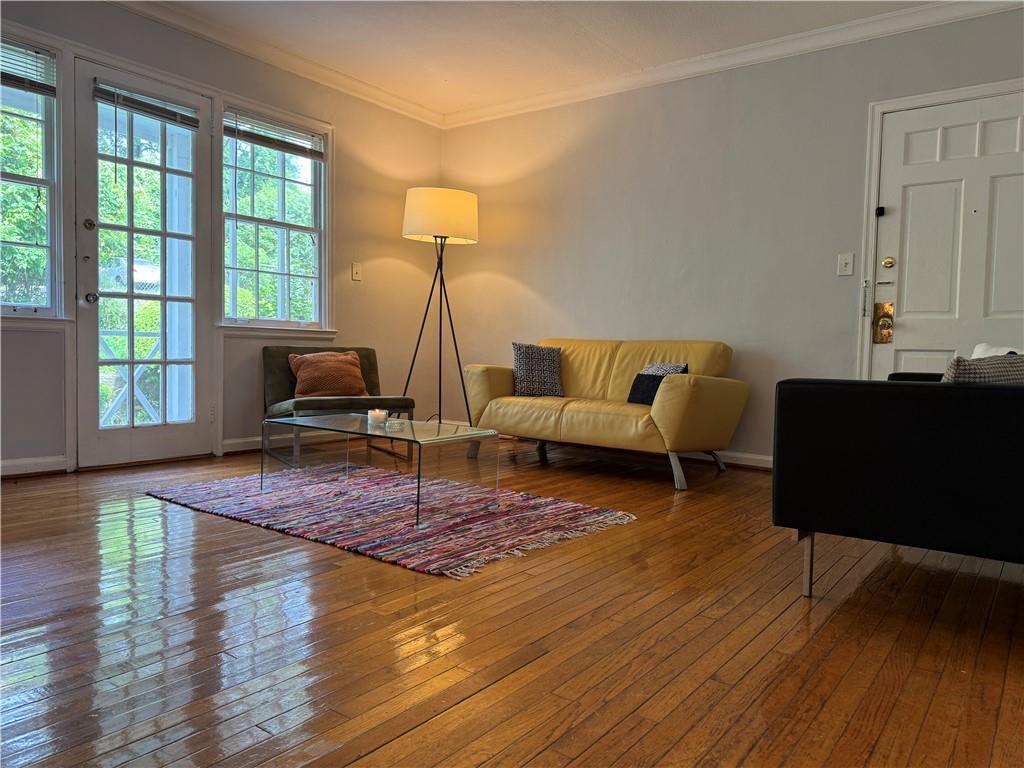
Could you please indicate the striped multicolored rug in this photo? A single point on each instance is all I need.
(373, 513)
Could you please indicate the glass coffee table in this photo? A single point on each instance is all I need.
(418, 434)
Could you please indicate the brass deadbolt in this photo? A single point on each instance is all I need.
(888, 262)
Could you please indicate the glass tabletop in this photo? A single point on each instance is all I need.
(419, 432)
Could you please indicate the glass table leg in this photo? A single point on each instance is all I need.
(419, 483)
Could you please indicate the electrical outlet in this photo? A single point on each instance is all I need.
(357, 270)
(844, 264)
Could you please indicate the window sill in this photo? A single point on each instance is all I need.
(241, 330)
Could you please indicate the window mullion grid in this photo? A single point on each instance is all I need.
(130, 212)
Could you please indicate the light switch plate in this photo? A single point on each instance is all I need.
(357, 270)
(844, 264)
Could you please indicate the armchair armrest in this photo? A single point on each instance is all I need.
(483, 384)
(698, 413)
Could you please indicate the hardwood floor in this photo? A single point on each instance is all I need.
(140, 634)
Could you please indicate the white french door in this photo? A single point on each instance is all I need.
(143, 249)
(950, 255)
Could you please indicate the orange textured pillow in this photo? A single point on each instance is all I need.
(328, 374)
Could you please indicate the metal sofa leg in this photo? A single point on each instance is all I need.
(677, 471)
(542, 451)
(473, 450)
(718, 460)
(296, 446)
(808, 539)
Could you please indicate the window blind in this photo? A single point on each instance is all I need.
(273, 135)
(28, 68)
(161, 110)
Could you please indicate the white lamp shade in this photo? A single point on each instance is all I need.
(437, 211)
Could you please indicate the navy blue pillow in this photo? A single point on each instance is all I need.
(645, 385)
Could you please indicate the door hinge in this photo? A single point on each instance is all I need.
(864, 298)
(213, 412)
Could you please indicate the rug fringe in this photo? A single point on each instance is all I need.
(475, 566)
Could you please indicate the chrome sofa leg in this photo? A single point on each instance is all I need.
(473, 450)
(542, 451)
(677, 471)
(808, 539)
(296, 446)
(718, 460)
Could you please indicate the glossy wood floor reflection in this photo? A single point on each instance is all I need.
(141, 634)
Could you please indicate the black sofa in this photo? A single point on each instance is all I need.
(908, 461)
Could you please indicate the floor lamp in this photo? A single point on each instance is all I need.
(443, 217)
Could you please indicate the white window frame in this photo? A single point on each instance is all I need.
(53, 159)
(296, 123)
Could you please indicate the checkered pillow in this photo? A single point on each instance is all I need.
(1001, 369)
(665, 369)
(537, 371)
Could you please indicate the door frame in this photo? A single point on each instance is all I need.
(873, 175)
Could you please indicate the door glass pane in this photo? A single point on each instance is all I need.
(179, 267)
(179, 330)
(179, 148)
(179, 204)
(146, 145)
(114, 394)
(147, 260)
(112, 138)
(146, 264)
(180, 393)
(113, 192)
(148, 329)
(147, 386)
(146, 198)
(113, 314)
(113, 267)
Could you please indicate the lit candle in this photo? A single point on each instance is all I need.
(377, 416)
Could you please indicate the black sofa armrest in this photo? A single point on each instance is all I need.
(911, 376)
(916, 463)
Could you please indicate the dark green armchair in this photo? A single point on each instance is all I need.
(279, 399)
(279, 386)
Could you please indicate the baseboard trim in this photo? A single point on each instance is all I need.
(33, 465)
(738, 459)
(309, 437)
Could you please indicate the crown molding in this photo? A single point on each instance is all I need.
(170, 15)
(861, 30)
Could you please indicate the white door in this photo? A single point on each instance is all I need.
(950, 253)
(144, 296)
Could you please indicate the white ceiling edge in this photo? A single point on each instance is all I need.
(169, 15)
(856, 31)
(860, 30)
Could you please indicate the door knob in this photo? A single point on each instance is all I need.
(89, 224)
(92, 298)
(885, 324)
(888, 262)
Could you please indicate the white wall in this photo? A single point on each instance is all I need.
(710, 208)
(378, 154)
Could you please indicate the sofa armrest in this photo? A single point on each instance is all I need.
(918, 463)
(483, 384)
(698, 413)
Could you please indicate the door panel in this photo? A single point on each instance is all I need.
(143, 172)
(950, 250)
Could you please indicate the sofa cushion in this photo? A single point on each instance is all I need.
(611, 424)
(339, 404)
(705, 358)
(586, 364)
(534, 417)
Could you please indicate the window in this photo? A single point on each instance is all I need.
(27, 179)
(273, 222)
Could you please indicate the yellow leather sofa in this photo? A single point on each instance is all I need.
(693, 412)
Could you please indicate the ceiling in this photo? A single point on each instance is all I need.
(456, 58)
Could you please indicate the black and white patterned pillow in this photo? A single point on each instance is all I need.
(537, 371)
(1001, 369)
(665, 369)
